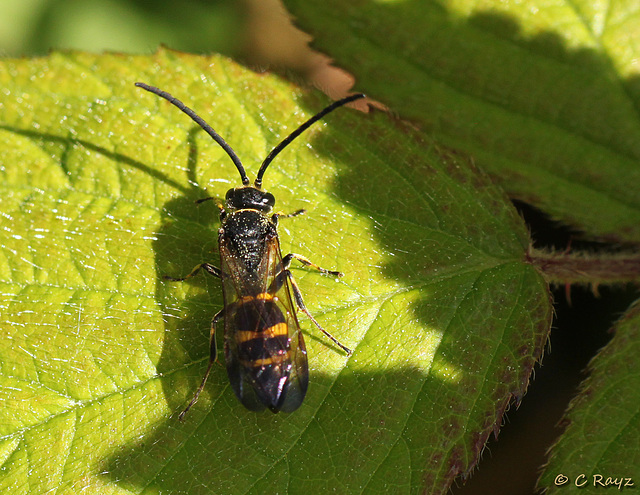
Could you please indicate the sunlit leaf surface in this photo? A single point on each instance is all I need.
(98, 353)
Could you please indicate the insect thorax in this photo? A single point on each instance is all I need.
(247, 235)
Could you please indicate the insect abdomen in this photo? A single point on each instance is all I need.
(261, 370)
(263, 335)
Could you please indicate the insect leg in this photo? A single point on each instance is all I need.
(294, 214)
(209, 268)
(213, 357)
(297, 295)
(286, 262)
(276, 216)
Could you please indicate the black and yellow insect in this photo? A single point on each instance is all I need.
(265, 354)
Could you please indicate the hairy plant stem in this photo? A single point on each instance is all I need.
(586, 268)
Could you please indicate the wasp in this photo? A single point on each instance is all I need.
(264, 349)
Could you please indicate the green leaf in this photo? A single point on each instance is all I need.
(600, 442)
(544, 95)
(98, 353)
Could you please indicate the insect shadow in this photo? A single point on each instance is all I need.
(187, 236)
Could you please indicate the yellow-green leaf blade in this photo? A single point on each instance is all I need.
(543, 95)
(445, 316)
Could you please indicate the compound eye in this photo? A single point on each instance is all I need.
(230, 198)
(268, 199)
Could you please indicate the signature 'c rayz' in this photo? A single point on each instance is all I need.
(265, 354)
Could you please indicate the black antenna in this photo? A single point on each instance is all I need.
(300, 130)
(198, 120)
